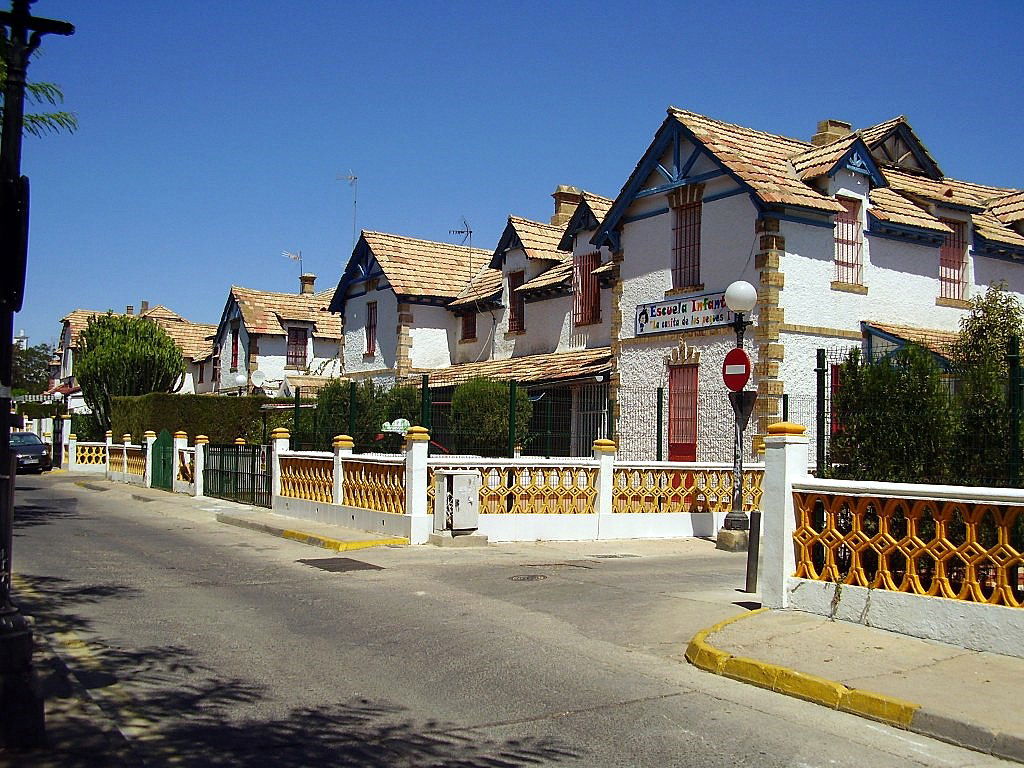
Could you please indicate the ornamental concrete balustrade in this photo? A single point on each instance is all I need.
(939, 562)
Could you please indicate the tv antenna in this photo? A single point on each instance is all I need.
(466, 232)
(353, 181)
(296, 256)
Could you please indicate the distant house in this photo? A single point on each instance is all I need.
(193, 339)
(265, 338)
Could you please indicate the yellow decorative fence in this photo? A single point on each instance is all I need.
(681, 489)
(532, 489)
(374, 485)
(961, 550)
(117, 459)
(90, 453)
(135, 459)
(307, 478)
(186, 465)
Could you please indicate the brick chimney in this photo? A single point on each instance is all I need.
(143, 307)
(566, 200)
(306, 283)
(831, 130)
(129, 310)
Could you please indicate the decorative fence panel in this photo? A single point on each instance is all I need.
(672, 487)
(528, 487)
(91, 454)
(117, 459)
(239, 473)
(186, 465)
(377, 485)
(307, 476)
(135, 460)
(963, 550)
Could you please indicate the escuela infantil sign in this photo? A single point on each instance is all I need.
(685, 313)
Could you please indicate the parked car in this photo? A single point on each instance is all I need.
(33, 454)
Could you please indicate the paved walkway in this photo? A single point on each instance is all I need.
(967, 698)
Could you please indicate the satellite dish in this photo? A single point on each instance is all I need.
(258, 377)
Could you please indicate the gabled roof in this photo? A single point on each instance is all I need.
(888, 205)
(416, 267)
(826, 158)
(555, 366)
(999, 237)
(263, 311)
(191, 338)
(536, 239)
(558, 275)
(945, 191)
(1009, 209)
(935, 341)
(589, 214)
(484, 288)
(898, 133)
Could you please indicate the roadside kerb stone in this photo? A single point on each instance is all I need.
(303, 537)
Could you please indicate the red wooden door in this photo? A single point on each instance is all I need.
(682, 413)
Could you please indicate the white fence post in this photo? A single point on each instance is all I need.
(72, 452)
(417, 444)
(785, 462)
(148, 474)
(200, 463)
(179, 444)
(126, 440)
(343, 446)
(604, 452)
(65, 438)
(279, 438)
(109, 439)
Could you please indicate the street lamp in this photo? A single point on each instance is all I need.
(740, 297)
(240, 381)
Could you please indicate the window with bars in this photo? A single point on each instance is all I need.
(516, 303)
(586, 303)
(953, 261)
(297, 342)
(686, 245)
(202, 367)
(371, 328)
(682, 413)
(469, 326)
(234, 348)
(849, 243)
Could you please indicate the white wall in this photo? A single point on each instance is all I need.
(429, 332)
(355, 330)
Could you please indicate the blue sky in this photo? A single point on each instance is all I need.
(212, 133)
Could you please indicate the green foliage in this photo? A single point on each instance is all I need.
(31, 368)
(480, 416)
(222, 419)
(85, 427)
(892, 418)
(38, 123)
(374, 405)
(125, 355)
(995, 318)
(40, 410)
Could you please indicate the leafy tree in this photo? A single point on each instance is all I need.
(480, 415)
(125, 355)
(892, 417)
(39, 123)
(31, 368)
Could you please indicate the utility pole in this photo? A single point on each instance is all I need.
(21, 708)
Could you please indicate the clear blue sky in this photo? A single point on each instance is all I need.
(212, 133)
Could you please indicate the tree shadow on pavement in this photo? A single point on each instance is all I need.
(27, 515)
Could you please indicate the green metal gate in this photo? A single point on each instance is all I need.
(239, 473)
(163, 461)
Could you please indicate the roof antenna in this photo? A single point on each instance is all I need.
(353, 181)
(467, 236)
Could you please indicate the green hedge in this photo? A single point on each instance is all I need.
(40, 410)
(222, 419)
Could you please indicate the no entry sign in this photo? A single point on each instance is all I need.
(736, 369)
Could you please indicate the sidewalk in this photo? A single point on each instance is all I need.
(967, 698)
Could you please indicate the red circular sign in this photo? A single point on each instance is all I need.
(736, 369)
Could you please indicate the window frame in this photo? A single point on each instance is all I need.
(683, 384)
(953, 262)
(516, 302)
(370, 329)
(468, 332)
(848, 236)
(292, 345)
(586, 301)
(234, 348)
(686, 244)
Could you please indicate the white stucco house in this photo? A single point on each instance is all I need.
(193, 339)
(843, 235)
(263, 338)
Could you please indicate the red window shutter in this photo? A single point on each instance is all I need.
(516, 303)
(586, 290)
(953, 261)
(849, 234)
(371, 327)
(469, 326)
(686, 245)
(682, 413)
(234, 347)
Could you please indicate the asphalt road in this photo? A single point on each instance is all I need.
(210, 645)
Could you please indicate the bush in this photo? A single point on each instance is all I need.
(480, 416)
(86, 428)
(374, 405)
(222, 419)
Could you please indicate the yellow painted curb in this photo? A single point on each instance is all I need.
(341, 546)
(818, 690)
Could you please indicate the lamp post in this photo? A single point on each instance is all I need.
(241, 380)
(740, 298)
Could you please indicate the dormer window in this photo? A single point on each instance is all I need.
(516, 303)
(297, 343)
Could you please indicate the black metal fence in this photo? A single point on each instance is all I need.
(239, 473)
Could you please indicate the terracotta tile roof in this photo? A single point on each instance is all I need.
(991, 228)
(888, 205)
(819, 160)
(760, 159)
(598, 205)
(160, 312)
(263, 311)
(606, 268)
(933, 340)
(944, 191)
(875, 133)
(531, 368)
(190, 337)
(556, 275)
(310, 384)
(540, 241)
(417, 267)
(485, 285)
(1009, 208)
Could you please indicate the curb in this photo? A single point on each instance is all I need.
(828, 693)
(313, 539)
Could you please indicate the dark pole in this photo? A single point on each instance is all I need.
(1013, 360)
(661, 417)
(819, 372)
(736, 518)
(21, 709)
(511, 419)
